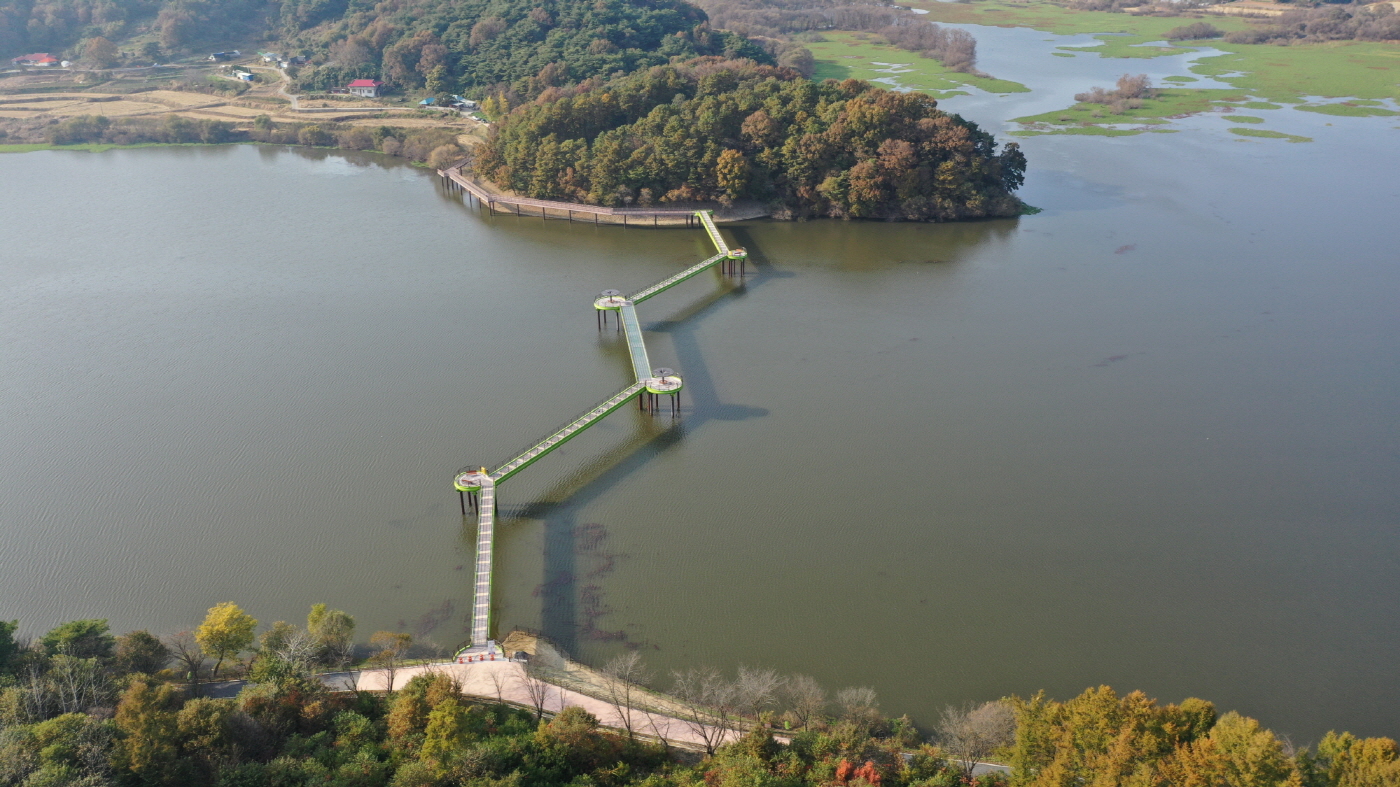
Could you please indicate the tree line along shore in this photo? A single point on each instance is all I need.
(79, 706)
(846, 149)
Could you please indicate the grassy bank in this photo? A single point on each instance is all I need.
(90, 147)
(1288, 74)
(859, 56)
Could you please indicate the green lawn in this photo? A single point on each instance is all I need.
(847, 56)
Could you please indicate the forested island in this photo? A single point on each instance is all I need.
(720, 130)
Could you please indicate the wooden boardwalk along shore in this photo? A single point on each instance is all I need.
(573, 211)
(477, 485)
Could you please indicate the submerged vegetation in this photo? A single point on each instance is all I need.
(734, 130)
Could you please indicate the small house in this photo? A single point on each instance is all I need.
(246, 76)
(366, 88)
(218, 56)
(41, 59)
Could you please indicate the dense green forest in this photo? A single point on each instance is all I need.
(731, 130)
(82, 708)
(523, 46)
(62, 25)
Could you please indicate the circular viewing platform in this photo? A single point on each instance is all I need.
(610, 300)
(471, 480)
(667, 384)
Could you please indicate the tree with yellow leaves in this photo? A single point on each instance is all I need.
(225, 632)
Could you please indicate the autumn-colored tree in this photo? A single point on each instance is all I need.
(147, 722)
(390, 648)
(99, 52)
(1349, 761)
(732, 174)
(331, 630)
(140, 651)
(225, 632)
(445, 732)
(408, 719)
(1252, 755)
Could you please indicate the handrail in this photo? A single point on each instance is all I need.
(709, 223)
(636, 345)
(672, 281)
(455, 173)
(563, 435)
(485, 537)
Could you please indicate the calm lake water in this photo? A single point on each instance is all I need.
(1149, 437)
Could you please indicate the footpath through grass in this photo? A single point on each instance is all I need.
(859, 56)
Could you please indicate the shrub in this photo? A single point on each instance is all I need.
(1194, 31)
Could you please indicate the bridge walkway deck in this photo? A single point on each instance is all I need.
(563, 435)
(485, 539)
(671, 281)
(708, 222)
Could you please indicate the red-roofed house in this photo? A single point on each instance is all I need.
(369, 88)
(36, 59)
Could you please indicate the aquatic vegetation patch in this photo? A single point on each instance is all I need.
(1285, 74)
(846, 56)
(1058, 19)
(1088, 131)
(1349, 109)
(1180, 80)
(1243, 119)
(1131, 46)
(1260, 105)
(1167, 104)
(1265, 133)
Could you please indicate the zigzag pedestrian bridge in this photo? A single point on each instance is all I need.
(476, 486)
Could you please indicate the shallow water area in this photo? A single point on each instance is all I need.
(1024, 55)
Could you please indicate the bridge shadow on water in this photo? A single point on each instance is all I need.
(575, 554)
